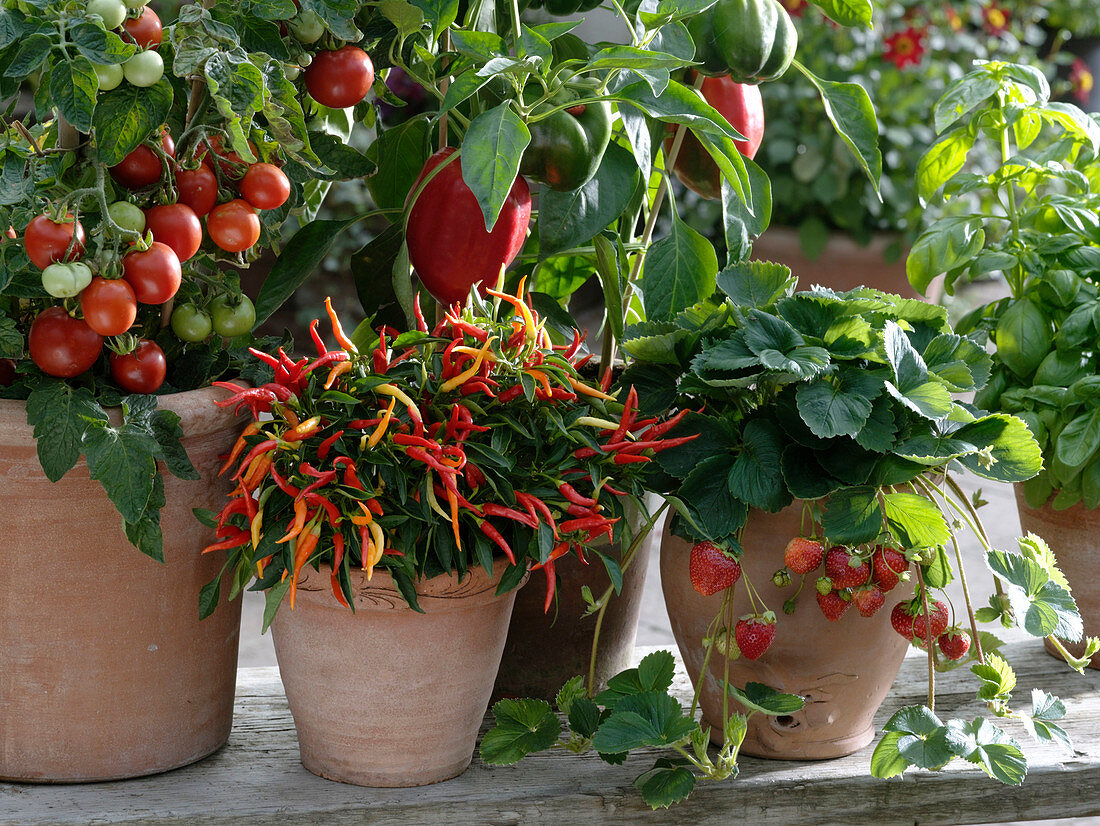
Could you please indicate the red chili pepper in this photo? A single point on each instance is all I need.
(284, 485)
(404, 439)
(471, 330)
(586, 523)
(511, 393)
(571, 494)
(326, 359)
(374, 507)
(474, 477)
(236, 505)
(532, 504)
(585, 453)
(440, 490)
(578, 339)
(491, 532)
(268, 359)
(421, 455)
(494, 509)
(613, 491)
(351, 478)
(262, 447)
(326, 445)
(476, 386)
(580, 510)
(421, 324)
(363, 424)
(665, 426)
(605, 380)
(320, 501)
(235, 541)
(328, 478)
(629, 409)
(317, 342)
(630, 459)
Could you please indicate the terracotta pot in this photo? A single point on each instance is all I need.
(387, 696)
(844, 263)
(1074, 536)
(844, 669)
(544, 650)
(106, 670)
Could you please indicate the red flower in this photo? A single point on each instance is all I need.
(954, 19)
(994, 19)
(906, 47)
(1082, 80)
(795, 8)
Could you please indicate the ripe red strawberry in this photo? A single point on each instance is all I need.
(902, 620)
(887, 566)
(839, 569)
(868, 600)
(754, 635)
(711, 569)
(832, 605)
(954, 643)
(803, 555)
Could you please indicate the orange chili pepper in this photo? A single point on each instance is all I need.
(303, 547)
(470, 371)
(365, 519)
(303, 430)
(300, 508)
(452, 500)
(585, 390)
(257, 470)
(380, 430)
(542, 379)
(338, 370)
(239, 445)
(338, 330)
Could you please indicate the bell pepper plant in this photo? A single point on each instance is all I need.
(428, 452)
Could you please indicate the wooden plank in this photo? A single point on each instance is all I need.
(257, 778)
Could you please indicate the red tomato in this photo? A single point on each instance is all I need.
(230, 163)
(141, 371)
(265, 186)
(109, 306)
(145, 29)
(176, 225)
(46, 241)
(340, 78)
(448, 244)
(61, 345)
(198, 188)
(154, 273)
(741, 105)
(142, 167)
(233, 226)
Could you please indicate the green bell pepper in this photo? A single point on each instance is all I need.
(750, 40)
(567, 147)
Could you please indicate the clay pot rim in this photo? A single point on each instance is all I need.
(436, 595)
(199, 416)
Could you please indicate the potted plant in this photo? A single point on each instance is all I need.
(139, 171)
(1043, 240)
(414, 479)
(820, 479)
(830, 225)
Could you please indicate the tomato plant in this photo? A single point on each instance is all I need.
(143, 167)
(340, 78)
(265, 186)
(190, 323)
(140, 371)
(128, 216)
(111, 12)
(154, 273)
(46, 241)
(66, 280)
(145, 30)
(177, 226)
(198, 188)
(232, 315)
(109, 76)
(144, 69)
(233, 226)
(109, 306)
(61, 345)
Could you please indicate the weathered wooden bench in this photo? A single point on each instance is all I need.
(257, 778)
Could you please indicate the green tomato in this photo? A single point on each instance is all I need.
(306, 26)
(291, 71)
(110, 75)
(190, 323)
(128, 216)
(232, 319)
(112, 12)
(66, 280)
(144, 69)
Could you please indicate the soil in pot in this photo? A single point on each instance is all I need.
(388, 696)
(843, 669)
(1073, 535)
(544, 650)
(106, 671)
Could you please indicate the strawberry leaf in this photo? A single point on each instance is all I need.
(1045, 709)
(522, 727)
(915, 521)
(998, 678)
(664, 786)
(852, 516)
(766, 700)
(982, 743)
(887, 761)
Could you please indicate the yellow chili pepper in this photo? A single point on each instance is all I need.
(585, 390)
(304, 430)
(338, 330)
(433, 503)
(380, 430)
(257, 528)
(378, 547)
(474, 351)
(338, 370)
(470, 371)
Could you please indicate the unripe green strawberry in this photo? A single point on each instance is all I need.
(711, 569)
(803, 555)
(823, 585)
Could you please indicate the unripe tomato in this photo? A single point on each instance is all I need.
(265, 186)
(109, 74)
(145, 30)
(109, 306)
(176, 225)
(128, 216)
(144, 69)
(306, 26)
(141, 371)
(198, 188)
(66, 280)
(61, 345)
(340, 78)
(741, 105)
(154, 273)
(143, 167)
(46, 241)
(233, 226)
(232, 315)
(112, 12)
(189, 323)
(448, 243)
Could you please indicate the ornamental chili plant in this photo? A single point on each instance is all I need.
(429, 452)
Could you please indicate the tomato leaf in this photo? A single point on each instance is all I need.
(165, 426)
(123, 460)
(126, 116)
(59, 414)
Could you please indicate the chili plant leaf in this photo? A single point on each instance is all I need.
(679, 271)
(491, 152)
(522, 727)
